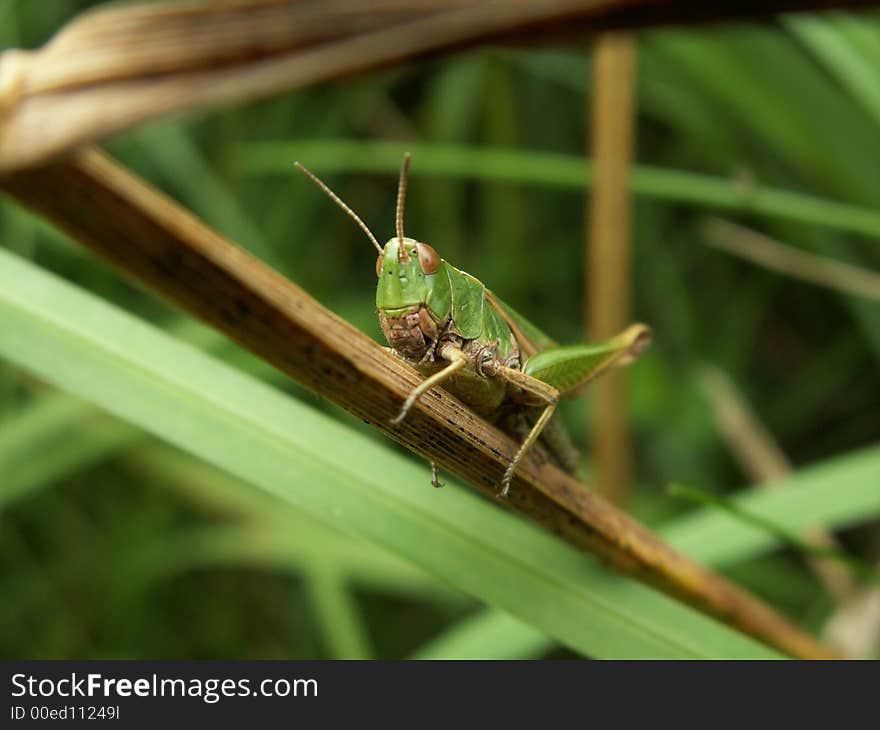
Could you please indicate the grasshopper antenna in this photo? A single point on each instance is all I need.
(402, 255)
(336, 199)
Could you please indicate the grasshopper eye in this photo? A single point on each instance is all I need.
(379, 262)
(429, 261)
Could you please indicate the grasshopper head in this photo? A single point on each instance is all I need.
(408, 284)
(413, 295)
(406, 274)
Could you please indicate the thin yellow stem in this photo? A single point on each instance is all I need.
(608, 250)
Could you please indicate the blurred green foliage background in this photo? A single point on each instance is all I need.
(114, 545)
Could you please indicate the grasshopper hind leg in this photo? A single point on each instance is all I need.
(553, 446)
(557, 441)
(566, 370)
(543, 394)
(542, 421)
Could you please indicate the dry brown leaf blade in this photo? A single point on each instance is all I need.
(117, 66)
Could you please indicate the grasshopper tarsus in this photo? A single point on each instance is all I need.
(505, 481)
(435, 477)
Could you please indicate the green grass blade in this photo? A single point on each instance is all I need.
(272, 535)
(338, 616)
(839, 492)
(93, 350)
(841, 57)
(295, 545)
(487, 635)
(557, 170)
(862, 569)
(54, 435)
(835, 494)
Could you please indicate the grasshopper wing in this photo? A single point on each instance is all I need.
(570, 369)
(531, 339)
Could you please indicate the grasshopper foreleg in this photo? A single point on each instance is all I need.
(544, 393)
(457, 360)
(435, 476)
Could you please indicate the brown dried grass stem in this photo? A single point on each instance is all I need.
(142, 232)
(770, 254)
(117, 66)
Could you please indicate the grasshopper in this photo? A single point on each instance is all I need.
(461, 337)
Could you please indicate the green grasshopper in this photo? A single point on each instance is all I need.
(453, 330)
